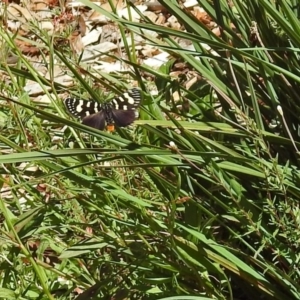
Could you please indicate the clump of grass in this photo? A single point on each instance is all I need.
(213, 216)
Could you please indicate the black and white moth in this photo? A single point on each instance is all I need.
(120, 111)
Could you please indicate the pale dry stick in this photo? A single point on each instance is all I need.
(235, 81)
(173, 147)
(232, 105)
(255, 31)
(231, 122)
(279, 109)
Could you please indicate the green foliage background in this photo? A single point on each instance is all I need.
(213, 215)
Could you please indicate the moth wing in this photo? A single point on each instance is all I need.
(129, 100)
(123, 118)
(82, 108)
(95, 120)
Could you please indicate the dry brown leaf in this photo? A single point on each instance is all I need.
(76, 43)
(156, 6)
(38, 5)
(202, 16)
(27, 48)
(118, 4)
(81, 25)
(217, 31)
(11, 1)
(53, 3)
(161, 20)
(16, 12)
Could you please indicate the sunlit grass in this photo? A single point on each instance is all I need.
(195, 204)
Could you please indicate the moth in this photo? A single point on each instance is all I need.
(120, 111)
